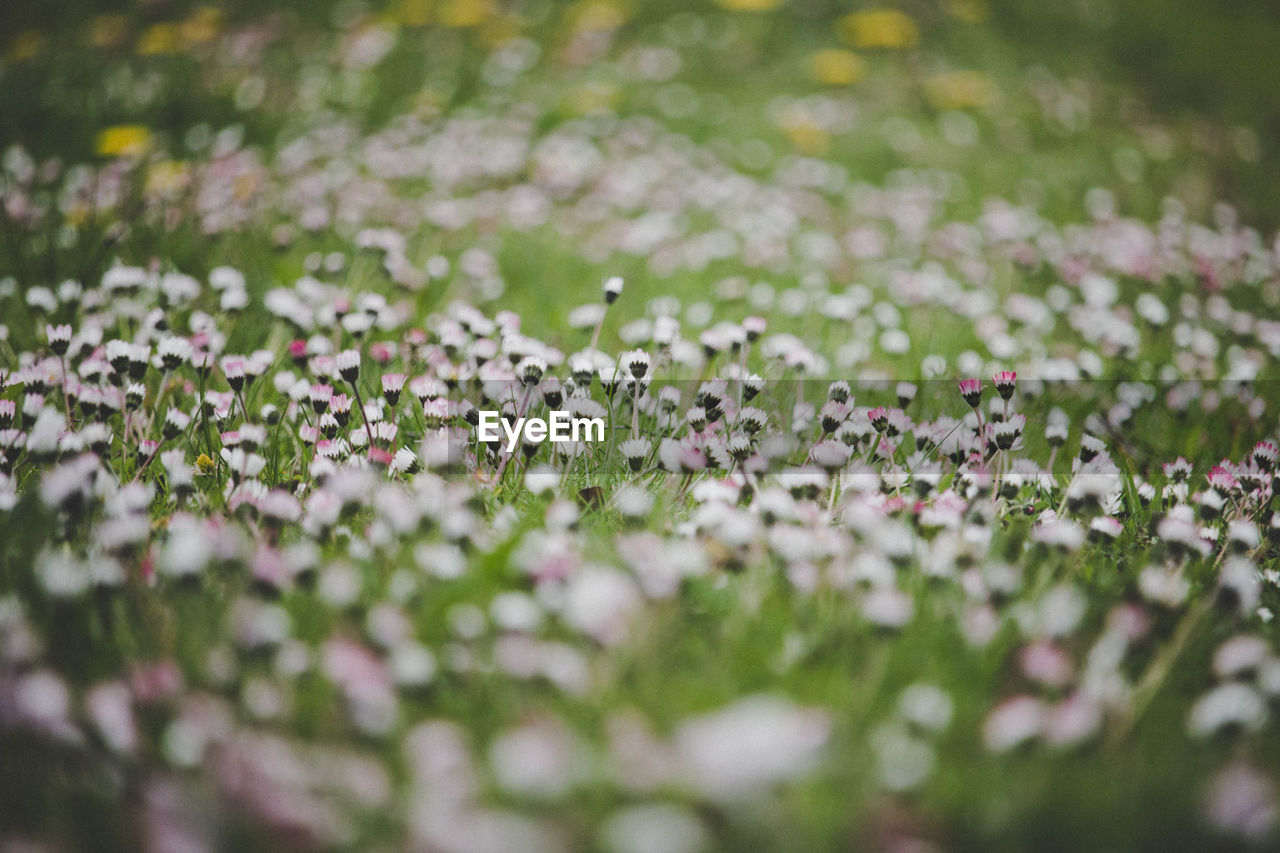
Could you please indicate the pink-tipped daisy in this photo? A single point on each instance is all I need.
(1005, 381)
(392, 385)
(971, 391)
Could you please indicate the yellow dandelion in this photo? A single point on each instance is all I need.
(969, 11)
(76, 213)
(749, 5)
(202, 26)
(244, 187)
(167, 178)
(465, 13)
(123, 140)
(412, 13)
(958, 90)
(205, 464)
(834, 67)
(499, 30)
(594, 98)
(596, 15)
(158, 39)
(26, 45)
(806, 135)
(430, 102)
(886, 28)
(108, 30)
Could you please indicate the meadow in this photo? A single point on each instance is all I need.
(935, 350)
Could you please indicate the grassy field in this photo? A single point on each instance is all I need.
(935, 350)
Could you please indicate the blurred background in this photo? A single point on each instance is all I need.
(1154, 96)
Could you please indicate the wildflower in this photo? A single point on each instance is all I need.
(635, 451)
(436, 413)
(1090, 447)
(357, 324)
(531, 369)
(958, 90)
(879, 418)
(392, 384)
(636, 363)
(1013, 723)
(1243, 535)
(174, 352)
(679, 458)
(244, 464)
(1242, 801)
(878, 28)
(552, 392)
(971, 391)
(739, 447)
(1055, 434)
(710, 396)
(123, 140)
(743, 749)
(804, 483)
(1178, 471)
(1004, 383)
(1210, 503)
(1240, 656)
(830, 456)
(175, 423)
(888, 608)
(59, 338)
(833, 415)
(906, 392)
(751, 420)
(1265, 454)
(600, 602)
(1105, 529)
(233, 370)
(835, 67)
(406, 462)
(381, 457)
(348, 365)
(117, 352)
(612, 289)
(384, 432)
(1222, 478)
(339, 409)
(320, 397)
(1008, 432)
(1227, 705)
(697, 418)
(1239, 586)
(298, 352)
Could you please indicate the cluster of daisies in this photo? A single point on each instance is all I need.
(901, 489)
(320, 496)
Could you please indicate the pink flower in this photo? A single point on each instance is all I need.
(1265, 453)
(1004, 381)
(971, 390)
(1177, 470)
(879, 417)
(1222, 478)
(392, 385)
